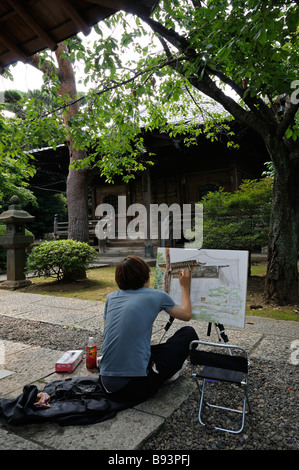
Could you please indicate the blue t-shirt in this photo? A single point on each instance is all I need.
(129, 316)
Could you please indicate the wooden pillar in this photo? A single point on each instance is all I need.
(146, 193)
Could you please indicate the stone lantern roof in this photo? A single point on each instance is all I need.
(15, 213)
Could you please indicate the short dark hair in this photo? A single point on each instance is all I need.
(132, 273)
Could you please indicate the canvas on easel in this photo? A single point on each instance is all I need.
(218, 285)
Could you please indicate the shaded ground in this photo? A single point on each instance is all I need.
(256, 304)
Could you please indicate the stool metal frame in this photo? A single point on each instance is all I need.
(210, 366)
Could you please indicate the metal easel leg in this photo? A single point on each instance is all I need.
(220, 332)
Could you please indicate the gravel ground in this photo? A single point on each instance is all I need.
(273, 394)
(45, 334)
(272, 425)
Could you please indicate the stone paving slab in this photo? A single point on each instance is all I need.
(57, 316)
(29, 364)
(17, 298)
(141, 421)
(119, 433)
(11, 441)
(126, 431)
(55, 310)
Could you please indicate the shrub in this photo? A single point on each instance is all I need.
(239, 220)
(67, 260)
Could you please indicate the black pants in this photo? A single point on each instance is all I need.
(168, 358)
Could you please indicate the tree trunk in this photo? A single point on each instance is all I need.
(77, 197)
(282, 272)
(77, 181)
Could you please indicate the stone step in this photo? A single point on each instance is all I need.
(124, 242)
(125, 250)
(113, 260)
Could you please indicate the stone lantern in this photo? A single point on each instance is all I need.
(15, 241)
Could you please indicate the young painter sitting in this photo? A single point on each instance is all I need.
(130, 368)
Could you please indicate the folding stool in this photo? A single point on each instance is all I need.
(210, 366)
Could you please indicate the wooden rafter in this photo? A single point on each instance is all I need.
(132, 6)
(77, 19)
(29, 26)
(33, 24)
(13, 47)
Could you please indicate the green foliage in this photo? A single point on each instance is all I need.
(49, 204)
(254, 40)
(20, 134)
(14, 164)
(63, 259)
(13, 100)
(238, 220)
(110, 121)
(249, 45)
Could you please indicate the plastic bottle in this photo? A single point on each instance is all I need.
(91, 354)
